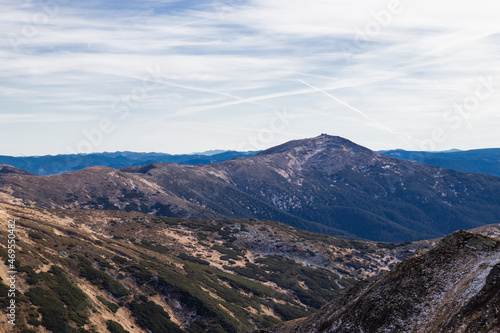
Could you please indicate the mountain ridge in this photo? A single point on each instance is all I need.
(323, 184)
(485, 160)
(63, 163)
(450, 288)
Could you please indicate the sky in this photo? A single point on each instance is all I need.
(188, 76)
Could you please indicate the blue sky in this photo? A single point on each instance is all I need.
(183, 76)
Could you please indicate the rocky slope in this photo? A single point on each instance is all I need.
(324, 184)
(342, 185)
(454, 287)
(94, 271)
(7, 169)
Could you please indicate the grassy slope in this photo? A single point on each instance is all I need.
(84, 268)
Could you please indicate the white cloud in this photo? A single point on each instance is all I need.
(9, 118)
(243, 56)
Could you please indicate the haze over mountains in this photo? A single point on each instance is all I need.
(485, 161)
(324, 184)
(56, 164)
(477, 160)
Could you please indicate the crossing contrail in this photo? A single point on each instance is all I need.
(338, 100)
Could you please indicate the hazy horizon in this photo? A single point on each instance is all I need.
(217, 151)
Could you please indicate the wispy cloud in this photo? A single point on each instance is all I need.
(9, 118)
(223, 61)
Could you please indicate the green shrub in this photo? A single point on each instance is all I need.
(4, 290)
(289, 312)
(110, 305)
(114, 327)
(228, 253)
(61, 304)
(141, 273)
(34, 322)
(119, 260)
(34, 235)
(152, 317)
(101, 279)
(184, 256)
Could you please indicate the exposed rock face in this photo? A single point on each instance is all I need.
(454, 287)
(324, 184)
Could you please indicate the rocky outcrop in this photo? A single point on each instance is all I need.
(454, 287)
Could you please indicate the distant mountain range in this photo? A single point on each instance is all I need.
(56, 164)
(485, 161)
(478, 160)
(324, 184)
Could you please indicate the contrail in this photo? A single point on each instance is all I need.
(384, 127)
(243, 101)
(460, 108)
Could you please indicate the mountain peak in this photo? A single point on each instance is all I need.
(318, 143)
(324, 152)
